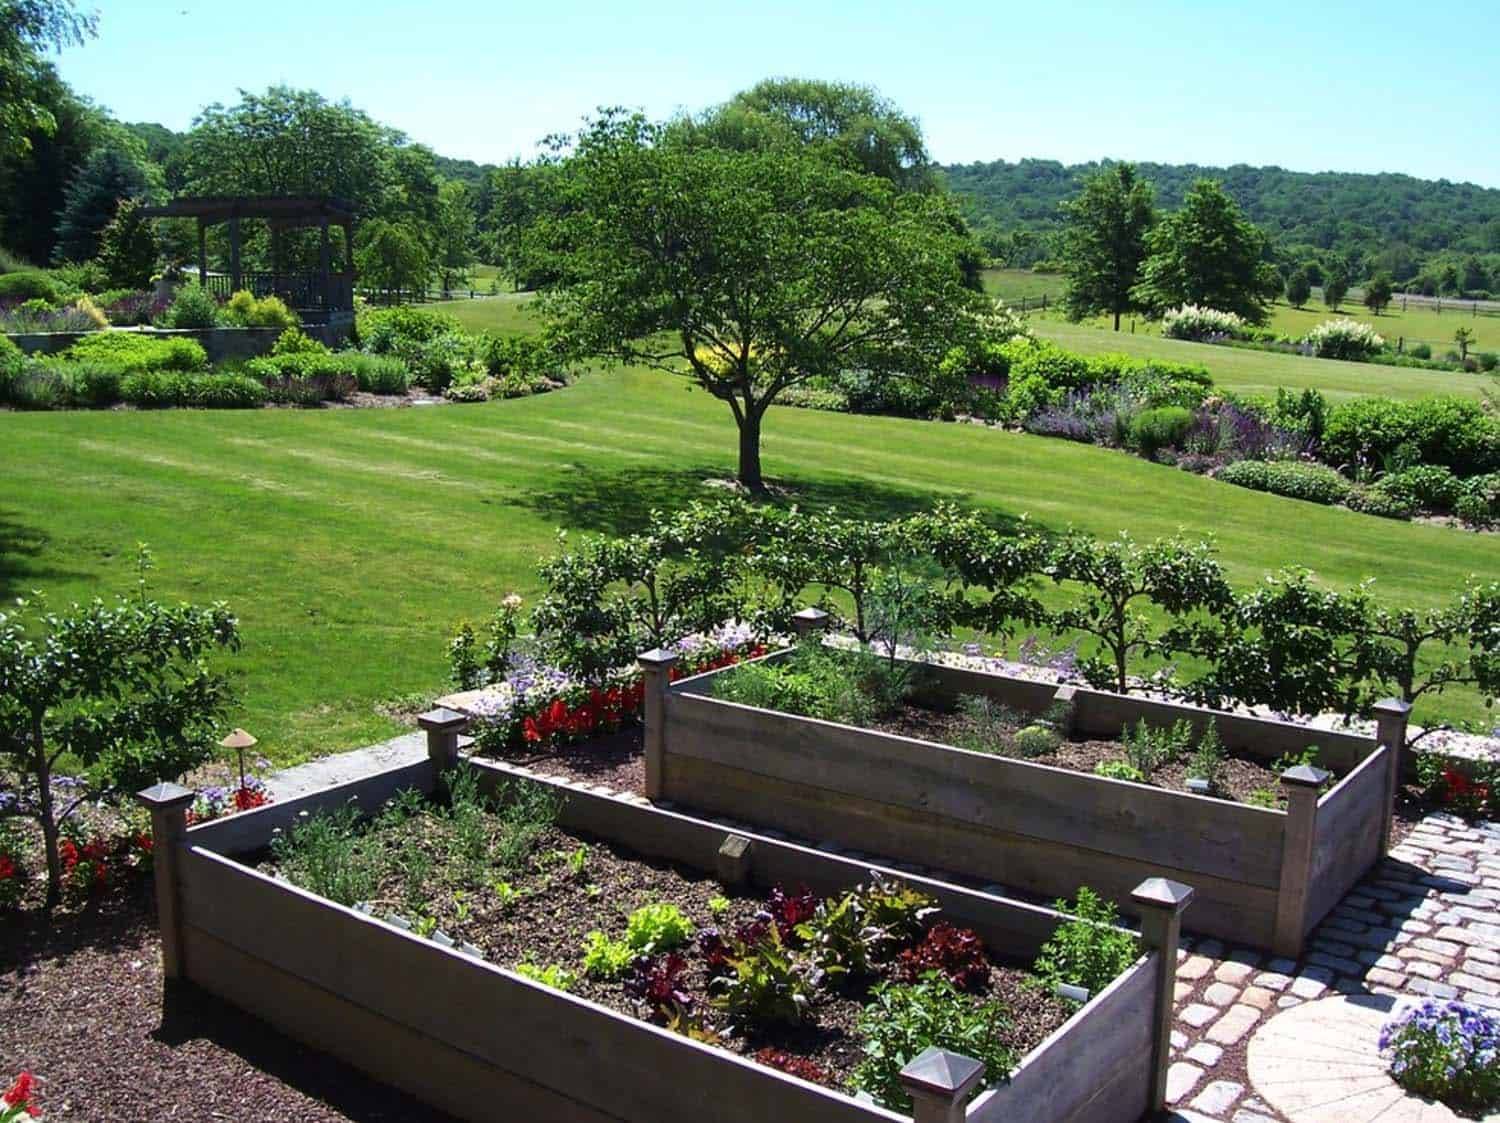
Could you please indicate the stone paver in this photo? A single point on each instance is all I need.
(1425, 922)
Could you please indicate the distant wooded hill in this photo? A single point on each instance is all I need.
(1388, 221)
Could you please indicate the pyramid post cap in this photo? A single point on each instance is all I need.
(940, 1072)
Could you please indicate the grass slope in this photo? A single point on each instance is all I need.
(1261, 372)
(351, 541)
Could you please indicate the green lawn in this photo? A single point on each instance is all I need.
(1261, 372)
(1014, 285)
(351, 541)
(508, 312)
(1418, 324)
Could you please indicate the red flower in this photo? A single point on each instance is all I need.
(21, 1091)
(143, 841)
(7, 867)
(246, 798)
(531, 731)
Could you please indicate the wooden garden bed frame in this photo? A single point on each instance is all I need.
(481, 1042)
(1263, 877)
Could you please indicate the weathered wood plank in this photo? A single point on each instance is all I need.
(251, 830)
(1189, 833)
(611, 1063)
(1014, 928)
(1104, 1047)
(1052, 869)
(434, 1072)
(1348, 841)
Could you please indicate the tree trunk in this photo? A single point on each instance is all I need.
(49, 827)
(1117, 319)
(750, 450)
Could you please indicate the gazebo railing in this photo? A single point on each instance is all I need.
(299, 290)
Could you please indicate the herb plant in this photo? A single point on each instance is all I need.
(604, 958)
(1088, 950)
(903, 1019)
(325, 854)
(657, 927)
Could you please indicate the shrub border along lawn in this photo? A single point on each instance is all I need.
(1265, 877)
(424, 1016)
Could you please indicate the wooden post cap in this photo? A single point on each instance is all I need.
(656, 658)
(810, 616)
(165, 796)
(1162, 893)
(1305, 776)
(1392, 707)
(939, 1072)
(442, 720)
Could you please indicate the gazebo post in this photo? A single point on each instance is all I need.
(234, 254)
(323, 260)
(276, 258)
(202, 253)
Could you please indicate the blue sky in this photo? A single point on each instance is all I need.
(1313, 85)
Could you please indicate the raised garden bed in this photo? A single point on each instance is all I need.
(1264, 875)
(460, 1028)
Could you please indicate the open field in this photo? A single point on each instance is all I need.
(1249, 371)
(507, 312)
(1011, 285)
(350, 542)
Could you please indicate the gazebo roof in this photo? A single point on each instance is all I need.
(284, 209)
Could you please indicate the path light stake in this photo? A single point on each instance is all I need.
(239, 741)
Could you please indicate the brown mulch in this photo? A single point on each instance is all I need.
(82, 1007)
(554, 909)
(617, 760)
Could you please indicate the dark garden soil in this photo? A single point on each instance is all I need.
(82, 1008)
(546, 911)
(617, 761)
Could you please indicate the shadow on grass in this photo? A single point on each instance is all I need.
(20, 545)
(620, 500)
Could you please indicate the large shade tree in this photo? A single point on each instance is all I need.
(108, 177)
(1207, 253)
(28, 29)
(751, 272)
(1104, 242)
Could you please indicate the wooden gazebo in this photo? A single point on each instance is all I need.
(313, 294)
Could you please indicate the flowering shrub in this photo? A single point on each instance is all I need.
(1447, 1051)
(1314, 483)
(1344, 339)
(1468, 795)
(13, 873)
(957, 952)
(18, 1103)
(1198, 323)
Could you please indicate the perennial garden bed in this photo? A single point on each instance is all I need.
(451, 1018)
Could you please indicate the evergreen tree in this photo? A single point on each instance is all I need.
(1105, 242)
(1208, 254)
(107, 177)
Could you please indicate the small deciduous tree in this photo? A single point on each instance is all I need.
(127, 247)
(1463, 337)
(122, 689)
(750, 272)
(1298, 287)
(1208, 254)
(392, 258)
(1335, 286)
(453, 232)
(1116, 580)
(1378, 292)
(1104, 242)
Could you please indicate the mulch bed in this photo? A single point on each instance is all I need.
(555, 908)
(82, 1007)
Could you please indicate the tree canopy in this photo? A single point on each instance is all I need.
(106, 178)
(28, 28)
(1206, 253)
(750, 272)
(1105, 240)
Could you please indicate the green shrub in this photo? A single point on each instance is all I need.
(1152, 430)
(1453, 432)
(1371, 501)
(377, 374)
(223, 391)
(12, 362)
(813, 681)
(1087, 950)
(1420, 351)
(1195, 322)
(134, 351)
(94, 383)
(193, 308)
(1037, 740)
(80, 277)
(1315, 483)
(1473, 510)
(1344, 339)
(246, 310)
(29, 285)
(383, 331)
(39, 386)
(152, 389)
(294, 341)
(901, 1020)
(1429, 486)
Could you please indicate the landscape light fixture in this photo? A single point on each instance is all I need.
(239, 741)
